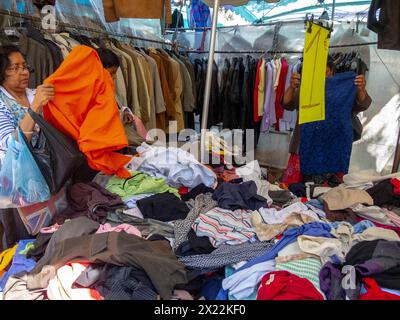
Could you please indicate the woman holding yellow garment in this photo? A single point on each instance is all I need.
(291, 102)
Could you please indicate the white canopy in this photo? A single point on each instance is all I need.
(236, 3)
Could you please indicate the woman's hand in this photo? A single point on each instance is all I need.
(295, 80)
(361, 83)
(128, 117)
(44, 93)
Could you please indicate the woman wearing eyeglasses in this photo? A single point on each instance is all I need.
(15, 99)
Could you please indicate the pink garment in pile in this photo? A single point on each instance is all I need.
(122, 227)
(140, 127)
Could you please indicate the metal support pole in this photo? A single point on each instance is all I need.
(396, 161)
(207, 91)
(333, 9)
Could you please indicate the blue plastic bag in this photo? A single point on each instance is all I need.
(21, 182)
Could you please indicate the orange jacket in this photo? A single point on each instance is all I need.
(84, 108)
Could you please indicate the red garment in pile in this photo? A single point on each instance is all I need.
(283, 285)
(226, 175)
(183, 190)
(396, 184)
(374, 292)
(279, 92)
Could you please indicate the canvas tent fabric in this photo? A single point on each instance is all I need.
(235, 3)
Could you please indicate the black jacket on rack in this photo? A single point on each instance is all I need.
(214, 112)
(200, 76)
(388, 25)
(177, 19)
(55, 51)
(236, 97)
(247, 113)
(223, 87)
(225, 95)
(232, 105)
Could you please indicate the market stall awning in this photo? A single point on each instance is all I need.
(235, 3)
(243, 12)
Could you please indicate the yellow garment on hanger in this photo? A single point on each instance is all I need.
(312, 89)
(5, 258)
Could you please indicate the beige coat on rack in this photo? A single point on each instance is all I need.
(176, 87)
(159, 102)
(129, 72)
(168, 103)
(141, 82)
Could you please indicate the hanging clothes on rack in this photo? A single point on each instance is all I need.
(157, 86)
(384, 19)
(199, 14)
(177, 19)
(215, 113)
(175, 86)
(280, 89)
(315, 57)
(248, 96)
(141, 77)
(257, 101)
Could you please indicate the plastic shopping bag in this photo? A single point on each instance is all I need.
(21, 182)
(40, 215)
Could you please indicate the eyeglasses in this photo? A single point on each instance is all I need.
(15, 69)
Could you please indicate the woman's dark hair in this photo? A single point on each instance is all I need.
(331, 63)
(108, 58)
(5, 52)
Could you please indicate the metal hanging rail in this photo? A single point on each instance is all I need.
(282, 51)
(247, 52)
(68, 25)
(237, 26)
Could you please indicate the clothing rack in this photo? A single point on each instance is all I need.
(234, 27)
(282, 51)
(248, 52)
(172, 30)
(82, 28)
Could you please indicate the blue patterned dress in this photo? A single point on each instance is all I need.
(325, 146)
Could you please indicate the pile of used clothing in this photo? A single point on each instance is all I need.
(181, 230)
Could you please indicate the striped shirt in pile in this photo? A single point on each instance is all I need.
(226, 255)
(393, 217)
(224, 226)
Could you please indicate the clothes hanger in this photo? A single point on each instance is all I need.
(324, 15)
(11, 31)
